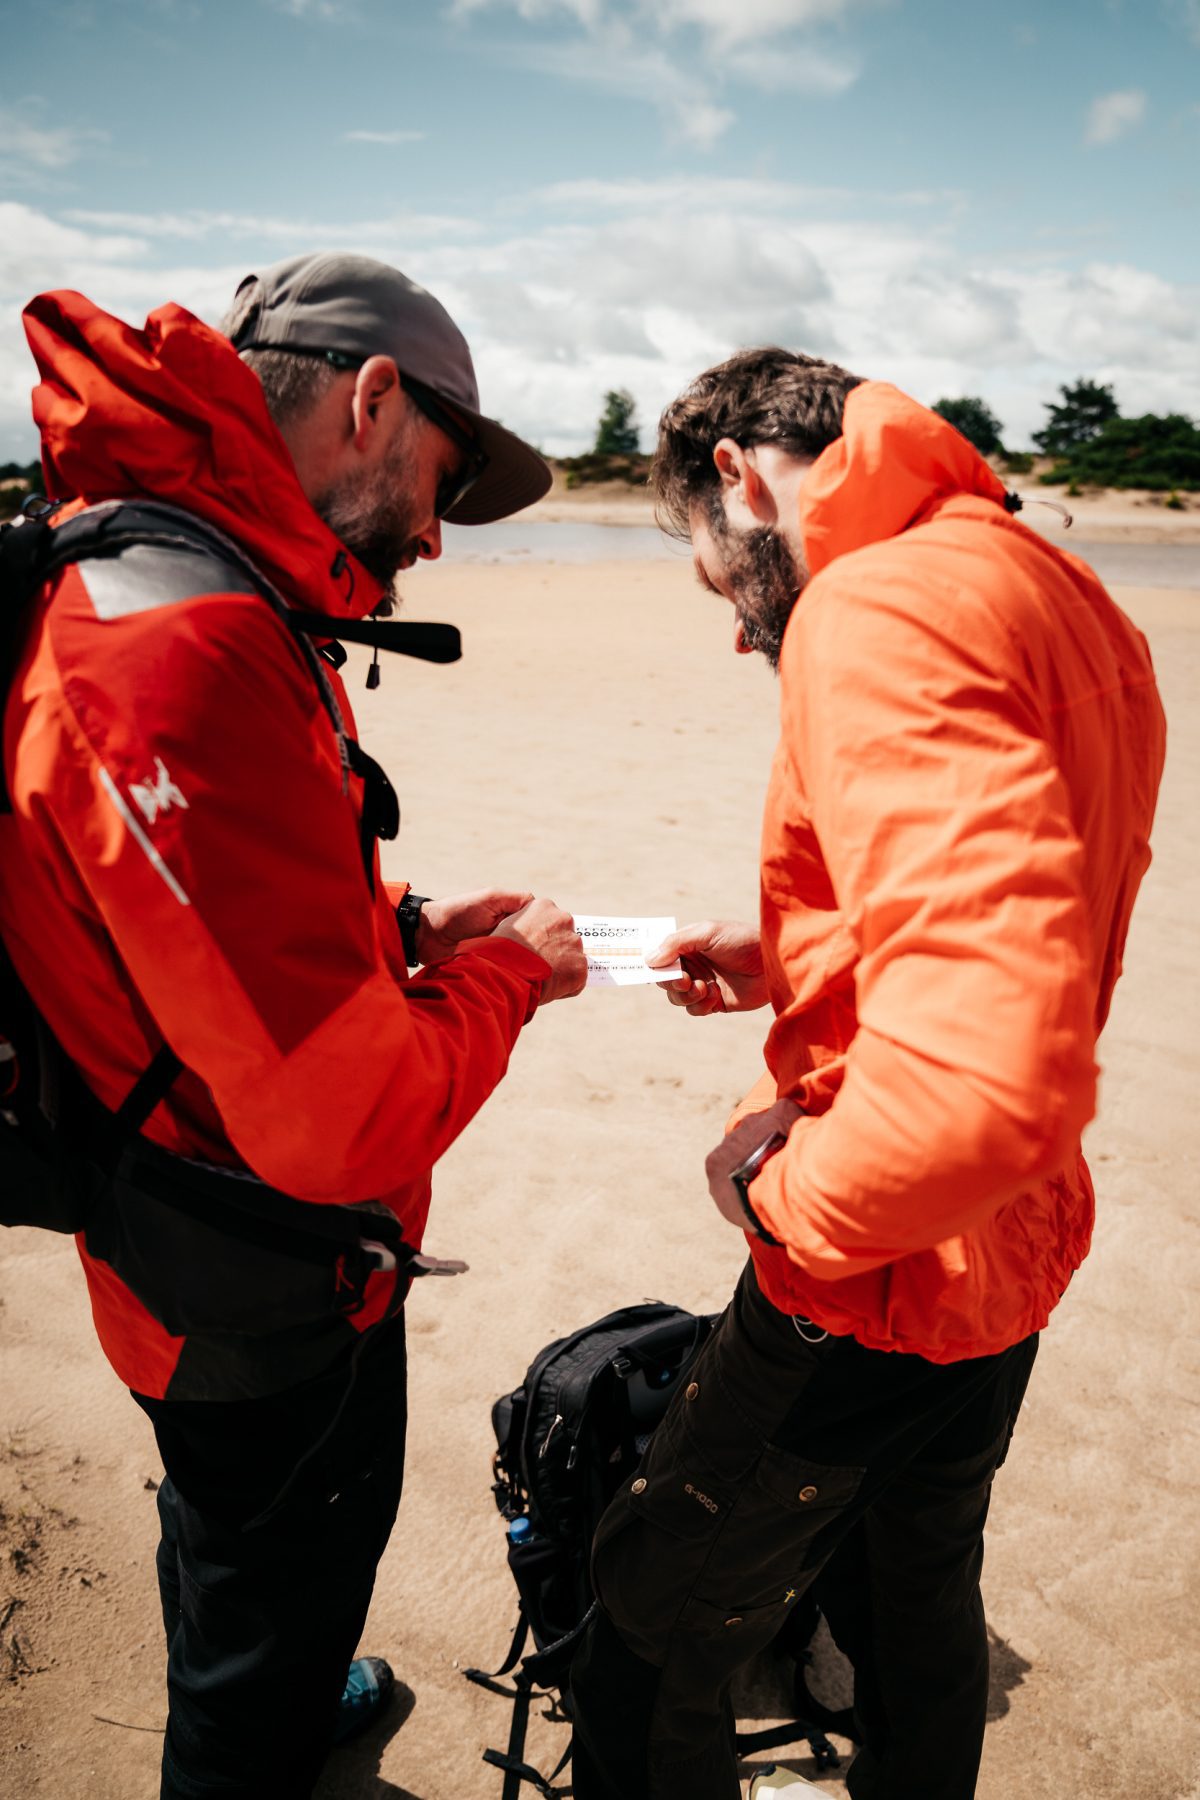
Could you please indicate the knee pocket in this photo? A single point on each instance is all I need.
(685, 1537)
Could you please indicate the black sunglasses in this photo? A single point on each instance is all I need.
(452, 488)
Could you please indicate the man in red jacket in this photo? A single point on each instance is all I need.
(189, 884)
(956, 826)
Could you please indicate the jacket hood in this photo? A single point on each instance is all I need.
(894, 460)
(172, 413)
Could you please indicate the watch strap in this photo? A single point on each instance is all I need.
(747, 1172)
(753, 1223)
(408, 917)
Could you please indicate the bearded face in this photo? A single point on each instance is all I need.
(761, 575)
(377, 517)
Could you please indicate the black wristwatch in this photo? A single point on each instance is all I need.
(745, 1173)
(408, 917)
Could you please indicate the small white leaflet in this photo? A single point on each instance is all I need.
(617, 950)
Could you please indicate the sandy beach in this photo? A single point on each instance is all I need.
(601, 743)
(1103, 515)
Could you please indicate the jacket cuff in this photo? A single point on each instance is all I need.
(517, 957)
(766, 1195)
(763, 1094)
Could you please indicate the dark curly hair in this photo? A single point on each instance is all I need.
(769, 396)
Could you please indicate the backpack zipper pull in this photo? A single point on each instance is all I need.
(558, 1419)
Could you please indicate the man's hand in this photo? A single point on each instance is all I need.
(733, 1151)
(550, 932)
(723, 967)
(445, 924)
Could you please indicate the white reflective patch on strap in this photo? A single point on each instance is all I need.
(158, 794)
(139, 836)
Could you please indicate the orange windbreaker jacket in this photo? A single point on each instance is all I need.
(183, 858)
(957, 823)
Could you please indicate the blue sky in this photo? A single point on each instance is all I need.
(618, 192)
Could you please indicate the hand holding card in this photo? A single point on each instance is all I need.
(617, 948)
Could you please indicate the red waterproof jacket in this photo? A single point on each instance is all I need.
(957, 824)
(183, 858)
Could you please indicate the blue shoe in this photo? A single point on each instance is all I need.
(369, 1684)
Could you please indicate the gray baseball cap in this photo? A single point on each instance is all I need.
(355, 306)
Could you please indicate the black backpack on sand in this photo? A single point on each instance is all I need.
(566, 1439)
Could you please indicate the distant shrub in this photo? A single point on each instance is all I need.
(1160, 453)
(1018, 462)
(17, 482)
(1174, 502)
(12, 499)
(593, 466)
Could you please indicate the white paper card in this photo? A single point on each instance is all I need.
(617, 950)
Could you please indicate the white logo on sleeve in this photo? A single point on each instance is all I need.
(156, 796)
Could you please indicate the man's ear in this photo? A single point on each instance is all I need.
(740, 480)
(377, 403)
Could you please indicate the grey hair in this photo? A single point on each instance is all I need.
(292, 385)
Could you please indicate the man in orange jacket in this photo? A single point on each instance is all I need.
(189, 881)
(957, 822)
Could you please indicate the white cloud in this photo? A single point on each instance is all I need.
(294, 233)
(586, 286)
(682, 55)
(757, 194)
(640, 73)
(1188, 14)
(1110, 116)
(588, 13)
(382, 137)
(30, 145)
(720, 21)
(328, 12)
(725, 22)
(793, 69)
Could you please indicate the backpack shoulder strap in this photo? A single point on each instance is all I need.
(152, 1085)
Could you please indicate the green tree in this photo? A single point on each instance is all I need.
(1087, 407)
(1160, 453)
(975, 419)
(617, 431)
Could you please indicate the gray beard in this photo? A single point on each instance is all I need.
(374, 518)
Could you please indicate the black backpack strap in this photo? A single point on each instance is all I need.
(515, 1769)
(431, 643)
(152, 1086)
(778, 1737)
(512, 1761)
(535, 1671)
(545, 1666)
(491, 1681)
(812, 1720)
(380, 814)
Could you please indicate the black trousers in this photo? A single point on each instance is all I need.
(266, 1566)
(786, 1446)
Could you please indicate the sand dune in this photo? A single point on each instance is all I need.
(601, 743)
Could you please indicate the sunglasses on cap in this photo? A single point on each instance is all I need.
(454, 487)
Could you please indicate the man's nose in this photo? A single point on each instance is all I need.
(429, 543)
